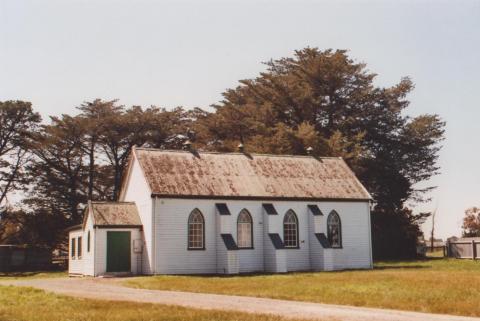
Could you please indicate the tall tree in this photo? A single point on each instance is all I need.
(18, 121)
(154, 127)
(81, 158)
(326, 100)
(58, 172)
(94, 118)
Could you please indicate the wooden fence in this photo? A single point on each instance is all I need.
(464, 248)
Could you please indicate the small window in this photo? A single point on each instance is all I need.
(244, 230)
(290, 230)
(196, 231)
(334, 229)
(79, 247)
(88, 242)
(73, 248)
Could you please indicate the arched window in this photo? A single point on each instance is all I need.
(290, 229)
(244, 230)
(196, 231)
(334, 229)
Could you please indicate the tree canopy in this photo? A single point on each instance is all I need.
(326, 100)
(18, 122)
(471, 222)
(319, 99)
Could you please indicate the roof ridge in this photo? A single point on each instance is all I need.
(233, 153)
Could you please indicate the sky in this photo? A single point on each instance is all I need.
(58, 54)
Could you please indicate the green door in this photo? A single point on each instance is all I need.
(118, 251)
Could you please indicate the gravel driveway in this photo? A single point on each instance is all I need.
(110, 289)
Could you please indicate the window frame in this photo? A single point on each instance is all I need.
(73, 248)
(196, 211)
(291, 213)
(79, 247)
(88, 241)
(247, 213)
(332, 214)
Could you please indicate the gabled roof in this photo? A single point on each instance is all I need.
(247, 176)
(113, 214)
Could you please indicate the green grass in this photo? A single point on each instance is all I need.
(436, 285)
(31, 275)
(27, 304)
(435, 254)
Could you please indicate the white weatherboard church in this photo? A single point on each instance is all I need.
(189, 212)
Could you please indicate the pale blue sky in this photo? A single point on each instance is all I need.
(58, 54)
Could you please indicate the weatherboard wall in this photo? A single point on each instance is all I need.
(75, 265)
(172, 255)
(88, 256)
(316, 249)
(137, 190)
(101, 250)
(83, 264)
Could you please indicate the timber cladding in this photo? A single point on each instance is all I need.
(464, 248)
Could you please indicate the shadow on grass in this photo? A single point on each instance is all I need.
(401, 267)
(293, 273)
(422, 263)
(385, 265)
(26, 274)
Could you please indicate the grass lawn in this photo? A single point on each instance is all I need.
(32, 275)
(27, 304)
(435, 285)
(435, 254)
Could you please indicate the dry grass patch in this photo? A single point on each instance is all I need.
(27, 304)
(438, 285)
(435, 254)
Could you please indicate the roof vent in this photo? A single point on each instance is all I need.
(241, 148)
(309, 150)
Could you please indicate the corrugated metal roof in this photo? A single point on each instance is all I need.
(237, 175)
(114, 214)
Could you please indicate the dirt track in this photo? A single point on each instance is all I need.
(110, 289)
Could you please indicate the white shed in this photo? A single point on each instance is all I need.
(109, 241)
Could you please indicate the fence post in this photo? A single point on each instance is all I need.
(474, 250)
